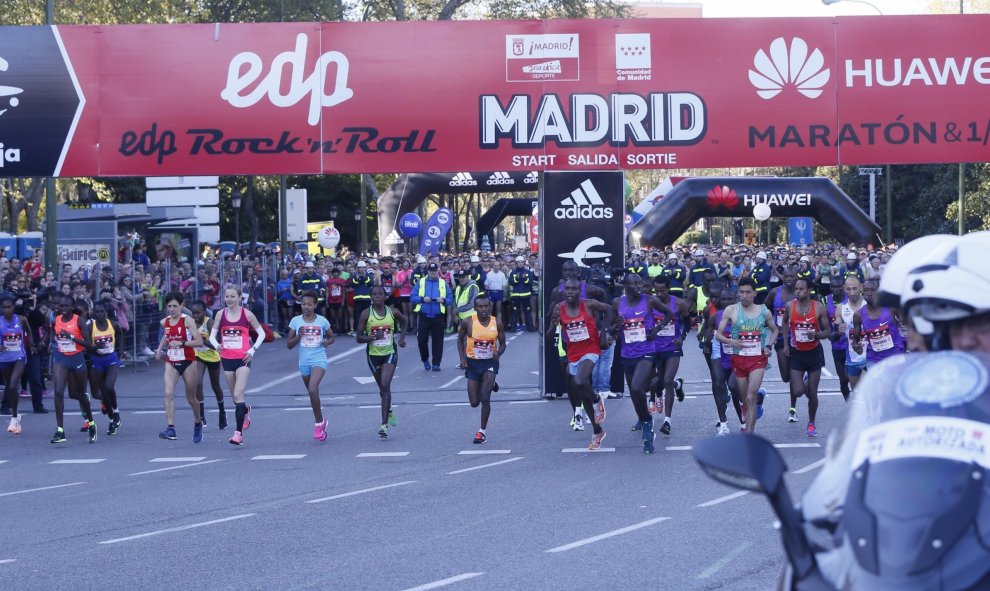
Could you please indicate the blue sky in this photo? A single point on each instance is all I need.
(764, 8)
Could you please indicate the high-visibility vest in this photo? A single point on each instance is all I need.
(462, 295)
(422, 294)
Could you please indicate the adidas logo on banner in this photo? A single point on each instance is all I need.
(500, 178)
(531, 178)
(584, 203)
(463, 179)
(394, 238)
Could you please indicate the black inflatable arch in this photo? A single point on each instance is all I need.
(500, 210)
(818, 198)
(409, 190)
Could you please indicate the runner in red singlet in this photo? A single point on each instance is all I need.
(179, 336)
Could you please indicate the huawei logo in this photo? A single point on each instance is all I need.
(722, 196)
(783, 67)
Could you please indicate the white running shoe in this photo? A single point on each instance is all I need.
(578, 423)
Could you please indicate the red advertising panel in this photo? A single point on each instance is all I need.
(298, 98)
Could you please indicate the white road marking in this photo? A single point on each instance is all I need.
(827, 373)
(83, 461)
(719, 500)
(295, 375)
(31, 490)
(4, 461)
(472, 468)
(678, 448)
(149, 412)
(451, 382)
(605, 536)
(186, 459)
(375, 406)
(577, 450)
(724, 561)
(810, 467)
(280, 457)
(528, 401)
(453, 404)
(483, 452)
(383, 454)
(176, 529)
(8, 560)
(444, 582)
(361, 492)
(178, 467)
(777, 445)
(298, 408)
(363, 380)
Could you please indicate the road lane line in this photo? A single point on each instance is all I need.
(577, 450)
(177, 529)
(382, 454)
(528, 401)
(451, 382)
(31, 490)
(719, 500)
(444, 582)
(186, 459)
(724, 561)
(8, 560)
(810, 467)
(280, 457)
(175, 467)
(3, 461)
(295, 375)
(796, 445)
(678, 448)
(299, 408)
(827, 373)
(361, 492)
(606, 535)
(149, 412)
(82, 461)
(485, 465)
(452, 404)
(483, 452)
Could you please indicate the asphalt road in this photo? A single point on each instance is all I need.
(422, 510)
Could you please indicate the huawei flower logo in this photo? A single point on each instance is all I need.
(722, 196)
(782, 67)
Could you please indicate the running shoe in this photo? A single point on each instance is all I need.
(436, 368)
(638, 426)
(652, 408)
(114, 424)
(812, 431)
(792, 415)
(761, 395)
(383, 431)
(665, 428)
(247, 417)
(168, 433)
(494, 386)
(600, 410)
(320, 431)
(480, 438)
(14, 426)
(236, 439)
(59, 436)
(722, 429)
(222, 424)
(578, 423)
(85, 427)
(427, 366)
(679, 389)
(198, 432)
(648, 437)
(574, 422)
(392, 421)
(596, 441)
(92, 432)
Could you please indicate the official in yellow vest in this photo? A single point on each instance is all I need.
(430, 298)
(464, 295)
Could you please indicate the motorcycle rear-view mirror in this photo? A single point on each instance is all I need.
(742, 461)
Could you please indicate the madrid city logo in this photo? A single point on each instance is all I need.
(584, 204)
(789, 66)
(583, 252)
(8, 92)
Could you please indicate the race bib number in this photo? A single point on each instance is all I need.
(804, 333)
(577, 331)
(310, 336)
(484, 349)
(881, 341)
(12, 342)
(751, 343)
(382, 336)
(633, 330)
(232, 339)
(780, 317)
(176, 354)
(669, 330)
(104, 345)
(65, 345)
(716, 349)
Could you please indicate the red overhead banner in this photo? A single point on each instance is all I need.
(309, 98)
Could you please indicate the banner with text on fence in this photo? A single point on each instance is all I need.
(301, 98)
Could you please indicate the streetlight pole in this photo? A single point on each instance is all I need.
(51, 199)
(357, 222)
(236, 200)
(830, 2)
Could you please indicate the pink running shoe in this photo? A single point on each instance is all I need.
(320, 431)
(237, 438)
(247, 417)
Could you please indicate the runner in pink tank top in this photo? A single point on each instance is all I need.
(230, 336)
